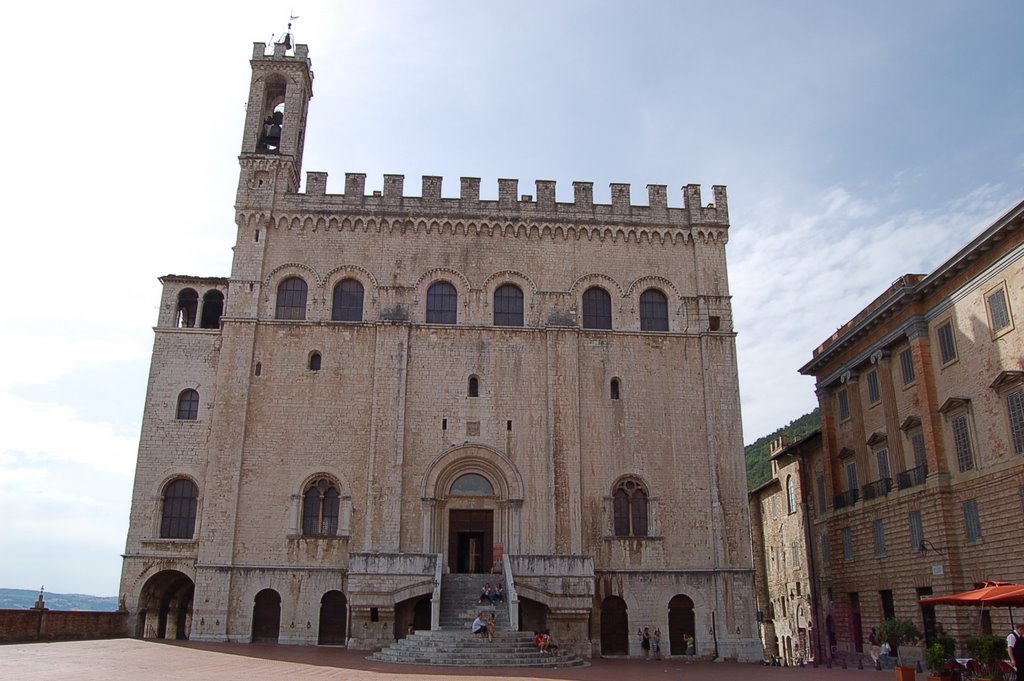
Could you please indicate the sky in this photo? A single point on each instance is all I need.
(859, 141)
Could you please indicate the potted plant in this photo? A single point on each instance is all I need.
(989, 651)
(935, 657)
(899, 633)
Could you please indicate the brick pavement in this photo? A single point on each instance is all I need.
(132, 660)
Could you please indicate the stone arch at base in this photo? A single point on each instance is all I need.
(165, 606)
(471, 530)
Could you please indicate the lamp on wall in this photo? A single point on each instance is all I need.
(925, 545)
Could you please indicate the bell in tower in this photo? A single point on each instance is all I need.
(270, 138)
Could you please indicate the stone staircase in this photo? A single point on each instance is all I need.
(454, 645)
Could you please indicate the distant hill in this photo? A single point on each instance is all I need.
(759, 469)
(23, 599)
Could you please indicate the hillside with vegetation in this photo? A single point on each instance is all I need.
(759, 469)
(23, 599)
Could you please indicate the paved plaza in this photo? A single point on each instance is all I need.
(132, 660)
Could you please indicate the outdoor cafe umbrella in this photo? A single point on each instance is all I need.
(988, 594)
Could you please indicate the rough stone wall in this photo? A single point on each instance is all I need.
(387, 415)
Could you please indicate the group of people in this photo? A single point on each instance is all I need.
(544, 643)
(484, 625)
(651, 643)
(491, 596)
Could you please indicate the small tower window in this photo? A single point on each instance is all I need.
(188, 405)
(474, 386)
(615, 389)
(259, 368)
(188, 304)
(314, 361)
(213, 308)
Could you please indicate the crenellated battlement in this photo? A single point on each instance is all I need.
(540, 204)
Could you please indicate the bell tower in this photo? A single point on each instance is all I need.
(275, 121)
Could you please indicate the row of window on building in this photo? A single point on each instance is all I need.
(441, 305)
(918, 542)
(321, 506)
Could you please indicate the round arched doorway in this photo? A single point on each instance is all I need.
(165, 606)
(681, 624)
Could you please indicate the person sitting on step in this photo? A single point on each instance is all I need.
(486, 595)
(479, 626)
(499, 593)
(540, 641)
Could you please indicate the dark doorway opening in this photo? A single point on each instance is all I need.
(681, 624)
(614, 627)
(266, 617)
(470, 541)
(857, 633)
(928, 616)
(333, 615)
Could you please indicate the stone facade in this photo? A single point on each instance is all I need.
(338, 456)
(784, 573)
(918, 487)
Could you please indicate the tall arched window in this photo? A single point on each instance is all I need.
(291, 299)
(320, 503)
(791, 493)
(629, 503)
(188, 405)
(442, 303)
(314, 361)
(508, 306)
(213, 308)
(178, 516)
(348, 302)
(474, 387)
(653, 311)
(597, 309)
(188, 304)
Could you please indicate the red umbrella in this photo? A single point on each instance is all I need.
(999, 594)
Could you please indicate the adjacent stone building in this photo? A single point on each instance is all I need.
(392, 387)
(784, 572)
(918, 487)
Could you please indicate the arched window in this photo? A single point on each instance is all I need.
(314, 361)
(291, 299)
(442, 303)
(178, 517)
(474, 387)
(597, 309)
(213, 308)
(348, 302)
(472, 485)
(791, 493)
(508, 306)
(653, 311)
(188, 304)
(320, 503)
(629, 503)
(188, 405)
(615, 389)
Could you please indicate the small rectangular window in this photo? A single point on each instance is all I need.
(916, 531)
(851, 476)
(972, 522)
(998, 312)
(962, 443)
(847, 544)
(882, 457)
(1015, 408)
(508, 426)
(947, 346)
(879, 532)
(874, 396)
(444, 424)
(844, 405)
(917, 444)
(907, 366)
(821, 493)
(825, 557)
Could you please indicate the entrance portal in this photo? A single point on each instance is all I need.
(470, 540)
